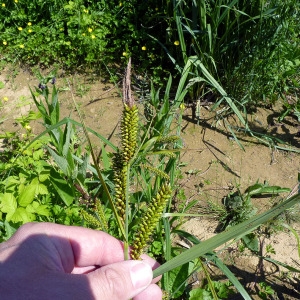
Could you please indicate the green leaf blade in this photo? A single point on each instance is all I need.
(234, 232)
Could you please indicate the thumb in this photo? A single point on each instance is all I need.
(122, 280)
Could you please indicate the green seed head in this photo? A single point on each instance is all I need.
(150, 219)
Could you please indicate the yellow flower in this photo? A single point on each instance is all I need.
(3, 4)
(21, 46)
(144, 48)
(16, 1)
(182, 106)
(86, 11)
(27, 127)
(4, 43)
(5, 99)
(120, 4)
(29, 23)
(90, 30)
(61, 29)
(124, 53)
(83, 34)
(176, 43)
(29, 30)
(20, 28)
(92, 36)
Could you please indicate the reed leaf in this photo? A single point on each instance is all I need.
(235, 232)
(195, 60)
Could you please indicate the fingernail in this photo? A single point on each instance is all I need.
(141, 275)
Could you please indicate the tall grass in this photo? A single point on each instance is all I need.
(239, 54)
(250, 47)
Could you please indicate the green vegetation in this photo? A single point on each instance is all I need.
(76, 33)
(236, 54)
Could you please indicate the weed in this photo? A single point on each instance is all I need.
(27, 191)
(222, 290)
(265, 291)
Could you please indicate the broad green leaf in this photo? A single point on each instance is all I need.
(60, 161)
(21, 187)
(38, 154)
(28, 193)
(43, 210)
(8, 203)
(61, 186)
(260, 188)
(44, 175)
(39, 209)
(21, 215)
(10, 230)
(41, 189)
(82, 168)
(72, 167)
(67, 139)
(197, 294)
(11, 183)
(32, 207)
(176, 280)
(251, 242)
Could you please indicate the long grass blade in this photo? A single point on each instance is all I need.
(279, 263)
(294, 232)
(234, 232)
(177, 17)
(230, 276)
(195, 60)
(65, 121)
(103, 183)
(212, 256)
(234, 136)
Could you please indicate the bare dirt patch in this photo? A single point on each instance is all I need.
(214, 164)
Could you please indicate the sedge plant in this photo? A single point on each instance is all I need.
(135, 205)
(139, 211)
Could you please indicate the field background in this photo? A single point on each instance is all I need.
(221, 75)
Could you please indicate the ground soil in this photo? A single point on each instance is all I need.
(213, 164)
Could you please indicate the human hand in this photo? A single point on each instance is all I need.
(51, 261)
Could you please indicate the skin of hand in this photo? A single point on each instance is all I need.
(51, 261)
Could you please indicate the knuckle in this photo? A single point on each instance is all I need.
(114, 284)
